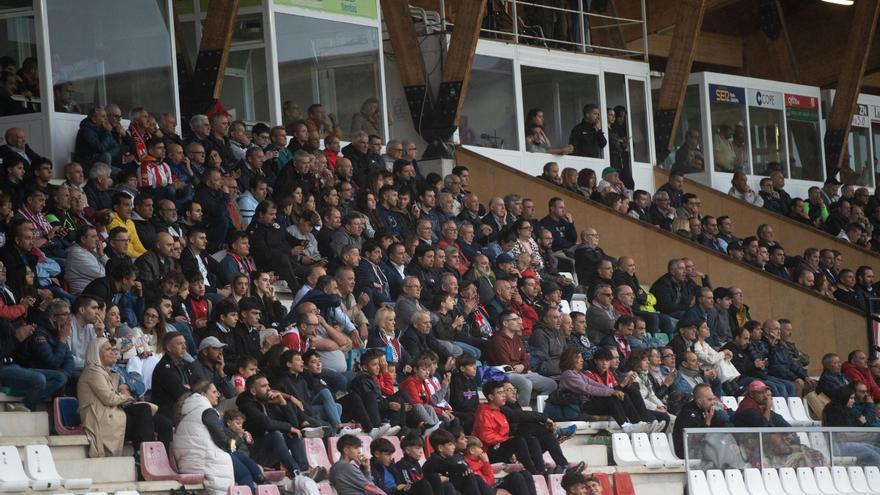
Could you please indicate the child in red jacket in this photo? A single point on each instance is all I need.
(417, 388)
(478, 462)
(492, 428)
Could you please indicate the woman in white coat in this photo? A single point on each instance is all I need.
(717, 360)
(194, 447)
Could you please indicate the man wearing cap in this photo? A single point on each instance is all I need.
(611, 183)
(587, 137)
(209, 366)
(756, 409)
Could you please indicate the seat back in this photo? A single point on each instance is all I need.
(660, 444)
(841, 479)
(858, 480)
(565, 306)
(697, 483)
(12, 475)
(604, 480)
(790, 483)
(316, 453)
(780, 406)
(325, 489)
(717, 483)
(398, 452)
(66, 416)
(798, 410)
(771, 481)
(872, 473)
(755, 482)
(154, 462)
(730, 402)
(239, 490)
(554, 482)
(808, 481)
(623, 484)
(540, 402)
(39, 465)
(622, 450)
(267, 490)
(823, 479)
(642, 447)
(541, 485)
(580, 306)
(736, 485)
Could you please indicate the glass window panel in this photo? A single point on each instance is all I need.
(127, 63)
(618, 130)
(875, 134)
(18, 52)
(724, 450)
(858, 163)
(688, 155)
(245, 92)
(638, 122)
(795, 449)
(768, 144)
(561, 96)
(16, 4)
(858, 448)
(489, 105)
(332, 63)
(804, 156)
(248, 28)
(727, 110)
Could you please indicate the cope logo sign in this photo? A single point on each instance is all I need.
(765, 99)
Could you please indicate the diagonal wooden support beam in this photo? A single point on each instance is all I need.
(207, 80)
(855, 58)
(683, 49)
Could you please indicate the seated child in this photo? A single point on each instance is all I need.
(378, 414)
(197, 306)
(410, 467)
(247, 472)
(492, 428)
(351, 474)
(478, 462)
(446, 467)
(463, 394)
(419, 390)
(247, 367)
(388, 476)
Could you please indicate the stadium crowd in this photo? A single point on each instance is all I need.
(146, 285)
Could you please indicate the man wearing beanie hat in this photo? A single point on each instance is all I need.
(611, 183)
(587, 137)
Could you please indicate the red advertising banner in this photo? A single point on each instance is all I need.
(800, 101)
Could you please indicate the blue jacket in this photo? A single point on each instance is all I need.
(379, 471)
(829, 382)
(94, 144)
(45, 351)
(781, 365)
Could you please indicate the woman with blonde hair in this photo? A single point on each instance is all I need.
(384, 336)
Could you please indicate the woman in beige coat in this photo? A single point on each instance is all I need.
(109, 414)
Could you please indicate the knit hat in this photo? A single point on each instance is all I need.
(608, 171)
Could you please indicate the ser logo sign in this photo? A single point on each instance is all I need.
(726, 94)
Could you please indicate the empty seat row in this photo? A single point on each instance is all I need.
(792, 409)
(38, 471)
(261, 490)
(642, 449)
(789, 481)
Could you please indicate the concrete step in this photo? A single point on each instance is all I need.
(63, 447)
(24, 424)
(140, 486)
(593, 455)
(99, 469)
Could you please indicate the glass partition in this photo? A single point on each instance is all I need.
(727, 110)
(561, 96)
(245, 93)
(638, 118)
(766, 125)
(857, 168)
(687, 157)
(489, 104)
(332, 63)
(18, 54)
(802, 117)
(96, 63)
(875, 135)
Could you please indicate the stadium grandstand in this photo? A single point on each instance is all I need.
(439, 247)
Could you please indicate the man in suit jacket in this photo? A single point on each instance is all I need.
(394, 267)
(16, 144)
(194, 259)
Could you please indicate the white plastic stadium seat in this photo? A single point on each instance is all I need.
(730, 402)
(771, 481)
(735, 483)
(579, 306)
(808, 481)
(565, 306)
(841, 479)
(823, 479)
(539, 403)
(622, 450)
(697, 483)
(872, 473)
(642, 447)
(755, 482)
(780, 407)
(660, 444)
(717, 484)
(799, 412)
(858, 479)
(12, 476)
(790, 483)
(40, 467)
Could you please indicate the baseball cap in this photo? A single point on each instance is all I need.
(757, 386)
(212, 342)
(608, 171)
(504, 258)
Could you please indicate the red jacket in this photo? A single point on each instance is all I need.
(490, 426)
(386, 383)
(854, 373)
(528, 315)
(418, 393)
(482, 469)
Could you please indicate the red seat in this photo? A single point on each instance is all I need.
(239, 490)
(316, 453)
(325, 488)
(541, 485)
(267, 490)
(273, 475)
(604, 480)
(555, 484)
(398, 452)
(623, 484)
(67, 421)
(548, 461)
(155, 466)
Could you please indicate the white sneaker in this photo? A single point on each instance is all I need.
(393, 431)
(317, 432)
(16, 407)
(379, 431)
(348, 431)
(641, 427)
(628, 428)
(661, 426)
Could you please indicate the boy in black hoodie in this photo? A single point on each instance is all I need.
(378, 415)
(413, 449)
(386, 474)
(463, 395)
(446, 463)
